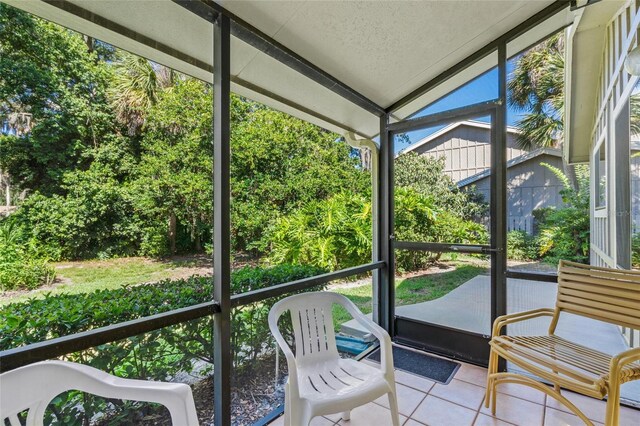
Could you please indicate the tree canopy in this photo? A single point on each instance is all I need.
(117, 157)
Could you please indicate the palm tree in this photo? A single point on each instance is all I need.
(537, 87)
(135, 89)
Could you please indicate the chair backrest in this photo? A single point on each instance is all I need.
(312, 321)
(31, 389)
(605, 294)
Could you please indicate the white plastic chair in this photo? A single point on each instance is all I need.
(32, 388)
(320, 382)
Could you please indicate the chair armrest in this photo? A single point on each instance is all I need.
(177, 397)
(503, 320)
(274, 315)
(386, 349)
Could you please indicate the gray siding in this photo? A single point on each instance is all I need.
(466, 150)
(530, 186)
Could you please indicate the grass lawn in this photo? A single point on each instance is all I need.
(421, 287)
(87, 276)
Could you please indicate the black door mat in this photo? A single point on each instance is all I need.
(433, 368)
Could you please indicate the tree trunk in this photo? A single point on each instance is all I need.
(90, 42)
(172, 232)
(196, 236)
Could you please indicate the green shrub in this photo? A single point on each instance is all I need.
(336, 233)
(522, 246)
(564, 234)
(18, 268)
(333, 234)
(157, 355)
(25, 274)
(635, 250)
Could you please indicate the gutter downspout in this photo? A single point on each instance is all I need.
(350, 138)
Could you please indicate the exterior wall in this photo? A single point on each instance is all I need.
(466, 150)
(530, 186)
(614, 89)
(608, 223)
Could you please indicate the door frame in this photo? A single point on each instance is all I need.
(455, 343)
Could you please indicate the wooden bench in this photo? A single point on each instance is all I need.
(610, 295)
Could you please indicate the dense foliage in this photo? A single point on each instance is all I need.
(116, 155)
(157, 355)
(19, 267)
(425, 175)
(336, 233)
(564, 234)
(522, 246)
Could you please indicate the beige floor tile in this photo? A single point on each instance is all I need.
(524, 392)
(370, 414)
(412, 422)
(321, 421)
(553, 417)
(316, 421)
(517, 411)
(460, 392)
(472, 374)
(438, 412)
(414, 381)
(408, 399)
(592, 408)
(595, 409)
(484, 420)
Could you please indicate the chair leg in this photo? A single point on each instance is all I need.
(287, 406)
(393, 406)
(346, 415)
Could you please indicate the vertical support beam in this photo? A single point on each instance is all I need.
(221, 220)
(499, 193)
(375, 225)
(620, 186)
(386, 287)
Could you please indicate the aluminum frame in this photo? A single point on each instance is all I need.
(455, 338)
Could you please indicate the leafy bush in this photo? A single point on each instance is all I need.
(157, 355)
(18, 268)
(336, 233)
(333, 234)
(635, 250)
(564, 234)
(522, 246)
(426, 176)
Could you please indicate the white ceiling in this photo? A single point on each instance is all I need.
(384, 50)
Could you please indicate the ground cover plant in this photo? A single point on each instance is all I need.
(158, 355)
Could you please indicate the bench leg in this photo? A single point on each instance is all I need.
(523, 380)
(612, 417)
(492, 369)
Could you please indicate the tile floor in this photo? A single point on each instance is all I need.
(424, 402)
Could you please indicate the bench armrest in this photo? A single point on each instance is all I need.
(503, 320)
(624, 358)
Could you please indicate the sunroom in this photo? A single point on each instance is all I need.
(427, 83)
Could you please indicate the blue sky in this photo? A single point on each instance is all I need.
(483, 88)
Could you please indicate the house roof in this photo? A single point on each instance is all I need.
(449, 128)
(513, 162)
(382, 50)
